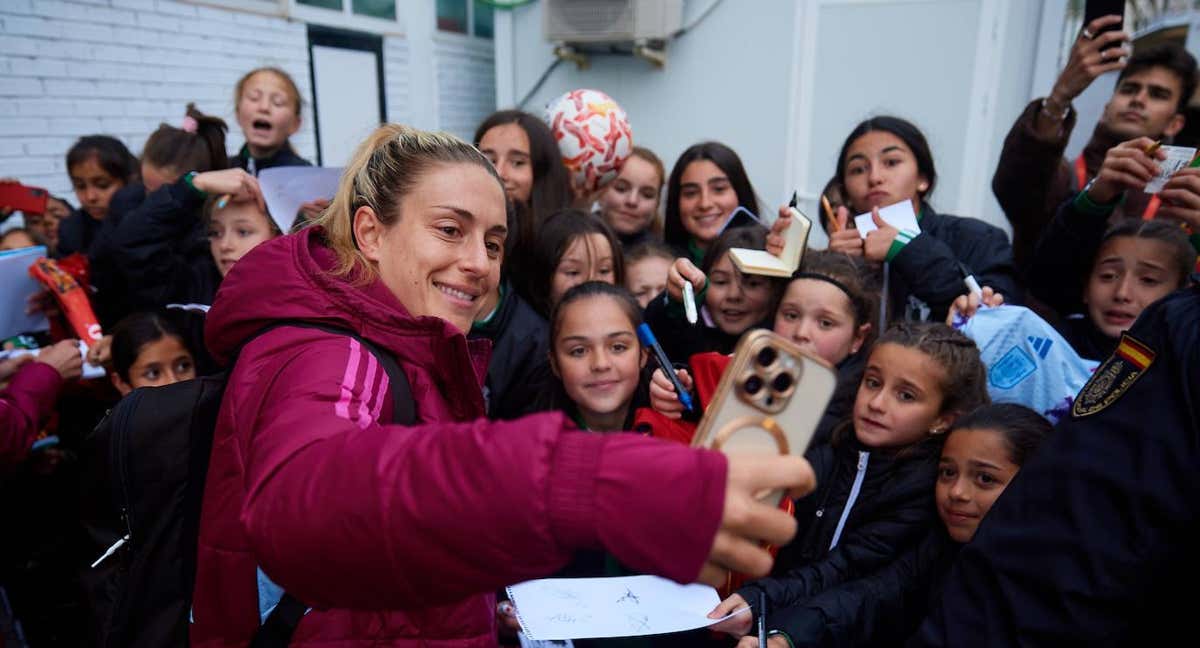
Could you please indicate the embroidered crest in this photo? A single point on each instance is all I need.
(1114, 377)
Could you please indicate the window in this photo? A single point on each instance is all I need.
(384, 9)
(468, 17)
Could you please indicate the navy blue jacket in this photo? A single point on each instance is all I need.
(285, 156)
(1094, 541)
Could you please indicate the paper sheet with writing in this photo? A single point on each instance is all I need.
(1178, 157)
(900, 215)
(286, 188)
(626, 606)
(16, 287)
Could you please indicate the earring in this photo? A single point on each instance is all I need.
(922, 187)
(936, 431)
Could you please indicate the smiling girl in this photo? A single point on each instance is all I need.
(706, 185)
(629, 204)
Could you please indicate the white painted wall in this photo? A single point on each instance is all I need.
(783, 83)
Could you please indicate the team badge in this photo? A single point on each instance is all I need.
(1114, 377)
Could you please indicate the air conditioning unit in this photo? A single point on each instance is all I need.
(611, 21)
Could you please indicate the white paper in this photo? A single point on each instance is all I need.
(1178, 158)
(88, 372)
(286, 188)
(900, 215)
(627, 606)
(16, 287)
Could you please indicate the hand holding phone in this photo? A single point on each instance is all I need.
(15, 196)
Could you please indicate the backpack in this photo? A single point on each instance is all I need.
(151, 452)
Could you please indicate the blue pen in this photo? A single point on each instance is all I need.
(648, 339)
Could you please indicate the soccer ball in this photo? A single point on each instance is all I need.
(593, 136)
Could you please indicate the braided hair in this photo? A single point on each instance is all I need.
(964, 383)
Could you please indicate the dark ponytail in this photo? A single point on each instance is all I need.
(198, 146)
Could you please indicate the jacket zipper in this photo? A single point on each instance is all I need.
(863, 458)
(117, 460)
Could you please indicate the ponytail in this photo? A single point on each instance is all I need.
(197, 145)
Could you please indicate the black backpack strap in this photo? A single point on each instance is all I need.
(276, 631)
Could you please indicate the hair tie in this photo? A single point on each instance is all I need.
(827, 279)
(190, 125)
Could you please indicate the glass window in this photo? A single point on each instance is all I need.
(385, 9)
(323, 4)
(452, 16)
(483, 19)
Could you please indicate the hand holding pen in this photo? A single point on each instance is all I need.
(683, 272)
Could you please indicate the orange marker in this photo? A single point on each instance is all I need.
(833, 224)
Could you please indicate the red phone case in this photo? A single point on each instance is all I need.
(29, 200)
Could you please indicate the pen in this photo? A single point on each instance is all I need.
(689, 302)
(222, 201)
(762, 619)
(648, 339)
(969, 280)
(829, 217)
(1153, 148)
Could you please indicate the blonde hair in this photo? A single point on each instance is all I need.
(383, 170)
(292, 89)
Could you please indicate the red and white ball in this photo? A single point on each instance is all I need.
(593, 135)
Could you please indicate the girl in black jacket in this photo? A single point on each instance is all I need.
(873, 499)
(980, 457)
(99, 167)
(728, 303)
(885, 161)
(267, 105)
(1099, 278)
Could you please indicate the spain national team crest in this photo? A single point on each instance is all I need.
(1114, 377)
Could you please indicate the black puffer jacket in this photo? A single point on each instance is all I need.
(163, 251)
(883, 609)
(111, 298)
(925, 272)
(519, 369)
(893, 509)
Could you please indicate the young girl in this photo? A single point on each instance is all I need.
(596, 355)
(886, 160)
(729, 303)
(163, 246)
(646, 268)
(99, 165)
(572, 247)
(707, 184)
(629, 204)
(149, 350)
(17, 238)
(874, 481)
(826, 309)
(267, 105)
(981, 455)
(1125, 267)
(235, 229)
(196, 144)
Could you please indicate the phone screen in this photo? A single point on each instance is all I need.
(1096, 8)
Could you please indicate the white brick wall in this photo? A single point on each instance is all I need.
(466, 79)
(120, 67)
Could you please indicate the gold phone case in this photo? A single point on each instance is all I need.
(769, 400)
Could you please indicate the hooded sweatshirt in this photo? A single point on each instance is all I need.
(394, 535)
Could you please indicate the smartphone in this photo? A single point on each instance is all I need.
(769, 401)
(1094, 9)
(28, 200)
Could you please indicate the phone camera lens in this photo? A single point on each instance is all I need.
(767, 357)
(753, 385)
(781, 382)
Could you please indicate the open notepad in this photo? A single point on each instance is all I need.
(761, 262)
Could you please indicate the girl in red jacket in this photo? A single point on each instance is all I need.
(398, 535)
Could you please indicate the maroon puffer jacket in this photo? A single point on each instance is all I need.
(396, 536)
